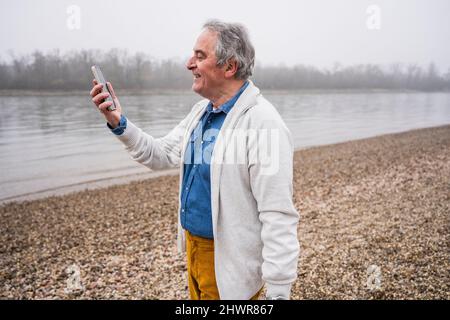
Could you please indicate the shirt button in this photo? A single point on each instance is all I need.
(182, 210)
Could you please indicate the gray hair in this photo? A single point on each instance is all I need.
(234, 43)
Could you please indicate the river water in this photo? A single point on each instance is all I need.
(53, 143)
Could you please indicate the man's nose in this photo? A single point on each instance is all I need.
(190, 63)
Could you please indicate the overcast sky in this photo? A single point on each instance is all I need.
(316, 32)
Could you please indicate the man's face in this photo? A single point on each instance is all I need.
(208, 78)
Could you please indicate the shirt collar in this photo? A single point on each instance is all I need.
(226, 107)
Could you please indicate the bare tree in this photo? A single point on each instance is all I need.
(53, 71)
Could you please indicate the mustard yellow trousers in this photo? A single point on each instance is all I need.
(200, 268)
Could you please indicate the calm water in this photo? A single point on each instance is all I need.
(50, 142)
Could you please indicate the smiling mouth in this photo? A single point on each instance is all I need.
(196, 76)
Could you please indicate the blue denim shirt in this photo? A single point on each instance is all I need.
(196, 215)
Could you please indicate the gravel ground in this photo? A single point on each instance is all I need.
(374, 225)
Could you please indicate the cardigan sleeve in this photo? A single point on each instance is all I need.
(156, 153)
(271, 179)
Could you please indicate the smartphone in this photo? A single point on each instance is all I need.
(101, 79)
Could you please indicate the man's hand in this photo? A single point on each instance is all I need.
(98, 98)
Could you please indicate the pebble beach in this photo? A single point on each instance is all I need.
(374, 224)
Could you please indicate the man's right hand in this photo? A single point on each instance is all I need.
(98, 97)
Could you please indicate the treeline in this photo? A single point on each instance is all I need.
(71, 71)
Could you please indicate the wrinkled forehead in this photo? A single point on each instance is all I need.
(206, 42)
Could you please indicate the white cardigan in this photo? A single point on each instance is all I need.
(254, 218)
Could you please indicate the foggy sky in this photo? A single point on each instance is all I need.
(318, 32)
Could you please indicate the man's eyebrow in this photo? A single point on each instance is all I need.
(199, 51)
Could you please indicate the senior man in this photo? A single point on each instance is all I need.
(236, 220)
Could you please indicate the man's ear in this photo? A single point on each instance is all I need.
(231, 68)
